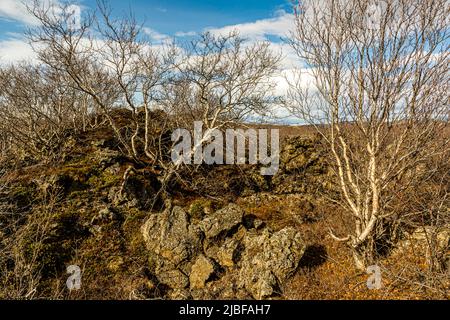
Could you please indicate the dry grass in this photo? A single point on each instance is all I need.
(114, 261)
(327, 269)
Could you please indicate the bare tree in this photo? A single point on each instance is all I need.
(21, 269)
(216, 79)
(223, 79)
(429, 213)
(37, 108)
(379, 99)
(111, 61)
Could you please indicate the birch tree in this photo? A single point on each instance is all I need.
(110, 60)
(221, 81)
(379, 99)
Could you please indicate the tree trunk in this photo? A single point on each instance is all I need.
(363, 254)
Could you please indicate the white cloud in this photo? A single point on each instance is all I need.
(17, 10)
(264, 30)
(303, 78)
(278, 26)
(293, 69)
(156, 36)
(15, 50)
(185, 34)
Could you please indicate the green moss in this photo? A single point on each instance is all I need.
(48, 257)
(82, 175)
(22, 195)
(77, 194)
(50, 254)
(152, 262)
(133, 215)
(78, 172)
(201, 207)
(260, 181)
(103, 180)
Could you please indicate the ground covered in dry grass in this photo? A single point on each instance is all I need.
(68, 212)
(327, 270)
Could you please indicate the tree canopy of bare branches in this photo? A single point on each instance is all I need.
(222, 80)
(380, 100)
(213, 79)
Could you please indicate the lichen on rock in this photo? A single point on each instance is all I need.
(219, 256)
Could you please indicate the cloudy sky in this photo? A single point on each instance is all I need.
(180, 19)
(255, 19)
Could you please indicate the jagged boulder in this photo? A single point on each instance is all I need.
(426, 234)
(302, 167)
(222, 221)
(220, 256)
(298, 153)
(106, 157)
(169, 235)
(423, 236)
(431, 241)
(168, 273)
(202, 270)
(229, 253)
(172, 243)
(137, 191)
(268, 260)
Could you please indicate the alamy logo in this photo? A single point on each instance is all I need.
(374, 280)
(374, 14)
(74, 281)
(208, 147)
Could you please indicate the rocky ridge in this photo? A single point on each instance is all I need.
(219, 256)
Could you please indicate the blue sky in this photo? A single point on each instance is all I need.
(268, 20)
(254, 19)
(176, 15)
(164, 16)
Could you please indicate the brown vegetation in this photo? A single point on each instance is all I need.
(86, 176)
